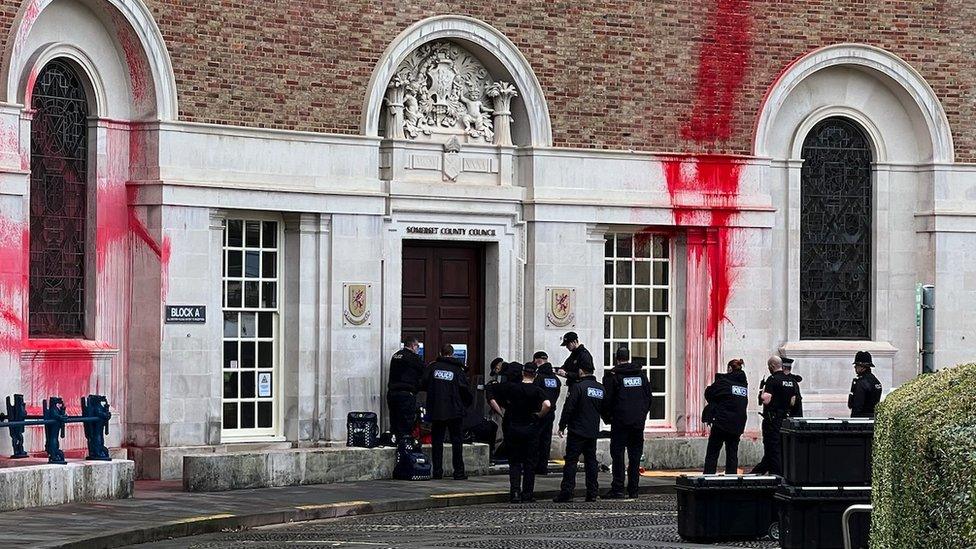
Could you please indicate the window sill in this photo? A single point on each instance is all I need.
(67, 349)
(836, 348)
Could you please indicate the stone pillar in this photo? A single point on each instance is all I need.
(502, 93)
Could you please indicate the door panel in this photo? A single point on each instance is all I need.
(443, 298)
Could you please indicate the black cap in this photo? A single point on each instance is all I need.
(530, 368)
(863, 358)
(569, 337)
(787, 362)
(540, 354)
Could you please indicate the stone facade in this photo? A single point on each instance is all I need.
(681, 120)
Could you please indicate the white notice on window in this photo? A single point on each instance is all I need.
(264, 384)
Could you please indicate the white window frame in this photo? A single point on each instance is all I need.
(611, 340)
(275, 431)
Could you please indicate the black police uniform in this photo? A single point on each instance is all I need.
(627, 402)
(728, 399)
(448, 396)
(552, 386)
(522, 402)
(865, 395)
(797, 409)
(406, 371)
(579, 358)
(581, 416)
(782, 390)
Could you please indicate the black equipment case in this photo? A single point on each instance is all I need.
(811, 517)
(411, 462)
(362, 430)
(827, 452)
(725, 507)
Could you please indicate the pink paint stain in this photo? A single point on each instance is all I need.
(13, 286)
(161, 250)
(135, 60)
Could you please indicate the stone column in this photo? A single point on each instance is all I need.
(394, 108)
(502, 93)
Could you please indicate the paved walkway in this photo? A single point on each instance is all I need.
(162, 510)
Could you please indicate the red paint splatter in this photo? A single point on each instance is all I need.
(13, 286)
(63, 368)
(161, 250)
(723, 61)
(134, 57)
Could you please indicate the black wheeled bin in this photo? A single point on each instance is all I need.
(725, 507)
(827, 452)
(812, 517)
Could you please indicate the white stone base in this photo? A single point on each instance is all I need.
(297, 466)
(40, 485)
(672, 453)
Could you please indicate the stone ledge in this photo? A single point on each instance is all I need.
(299, 466)
(78, 481)
(674, 453)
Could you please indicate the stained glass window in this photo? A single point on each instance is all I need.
(835, 232)
(58, 203)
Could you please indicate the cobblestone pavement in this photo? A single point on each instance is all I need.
(650, 522)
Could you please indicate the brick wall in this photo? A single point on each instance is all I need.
(616, 74)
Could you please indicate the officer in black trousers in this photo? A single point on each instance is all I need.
(406, 371)
(581, 415)
(797, 409)
(550, 383)
(728, 399)
(524, 403)
(448, 397)
(578, 358)
(778, 396)
(865, 389)
(626, 404)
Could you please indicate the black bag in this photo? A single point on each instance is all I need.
(411, 463)
(362, 430)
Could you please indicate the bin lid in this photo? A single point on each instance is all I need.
(829, 424)
(728, 481)
(825, 492)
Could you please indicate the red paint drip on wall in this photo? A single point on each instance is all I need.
(134, 58)
(722, 65)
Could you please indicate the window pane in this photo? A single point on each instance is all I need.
(656, 377)
(230, 354)
(657, 354)
(269, 265)
(643, 244)
(235, 233)
(657, 408)
(642, 300)
(265, 324)
(620, 325)
(270, 234)
(247, 415)
(608, 247)
(248, 325)
(230, 324)
(248, 381)
(265, 416)
(608, 300)
(233, 294)
(642, 273)
(269, 295)
(659, 327)
(235, 261)
(230, 385)
(253, 234)
(608, 272)
(606, 327)
(251, 295)
(252, 268)
(230, 415)
(247, 354)
(638, 353)
(265, 354)
(624, 272)
(661, 247)
(625, 246)
(638, 327)
(624, 300)
(660, 273)
(661, 301)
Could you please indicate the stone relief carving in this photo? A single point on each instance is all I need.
(441, 92)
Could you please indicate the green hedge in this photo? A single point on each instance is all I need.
(925, 464)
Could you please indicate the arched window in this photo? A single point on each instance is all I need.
(58, 203)
(835, 232)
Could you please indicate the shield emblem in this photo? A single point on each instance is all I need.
(357, 304)
(561, 307)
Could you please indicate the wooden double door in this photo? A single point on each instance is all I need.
(443, 299)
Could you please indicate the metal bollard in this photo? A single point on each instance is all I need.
(55, 417)
(928, 329)
(846, 526)
(96, 414)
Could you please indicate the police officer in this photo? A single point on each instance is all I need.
(550, 383)
(797, 409)
(448, 397)
(406, 371)
(525, 403)
(865, 389)
(728, 398)
(577, 359)
(581, 415)
(779, 395)
(626, 404)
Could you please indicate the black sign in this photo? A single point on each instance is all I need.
(186, 314)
